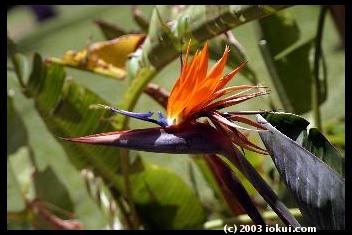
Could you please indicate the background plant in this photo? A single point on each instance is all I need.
(131, 192)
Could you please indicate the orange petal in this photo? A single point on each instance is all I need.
(230, 75)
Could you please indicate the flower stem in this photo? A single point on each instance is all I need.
(261, 186)
(128, 191)
(315, 80)
(118, 199)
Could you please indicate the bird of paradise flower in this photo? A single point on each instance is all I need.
(199, 93)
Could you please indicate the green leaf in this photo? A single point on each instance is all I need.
(285, 24)
(110, 31)
(16, 130)
(11, 46)
(204, 22)
(21, 66)
(335, 132)
(214, 185)
(35, 81)
(64, 107)
(317, 188)
(19, 172)
(317, 144)
(288, 60)
(164, 201)
(295, 126)
(15, 198)
(50, 189)
(290, 124)
(140, 19)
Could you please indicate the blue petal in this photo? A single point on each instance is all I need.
(132, 114)
(162, 120)
(141, 116)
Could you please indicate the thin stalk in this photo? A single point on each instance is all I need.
(121, 206)
(128, 191)
(315, 80)
(245, 219)
(261, 186)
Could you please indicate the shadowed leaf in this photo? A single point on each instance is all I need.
(231, 183)
(50, 190)
(110, 31)
(295, 126)
(288, 61)
(317, 188)
(16, 130)
(317, 144)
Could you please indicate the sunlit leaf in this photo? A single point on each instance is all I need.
(16, 138)
(107, 58)
(15, 198)
(20, 184)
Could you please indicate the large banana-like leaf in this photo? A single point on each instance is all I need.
(65, 109)
(164, 201)
(317, 188)
(288, 60)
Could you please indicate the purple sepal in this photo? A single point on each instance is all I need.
(191, 139)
